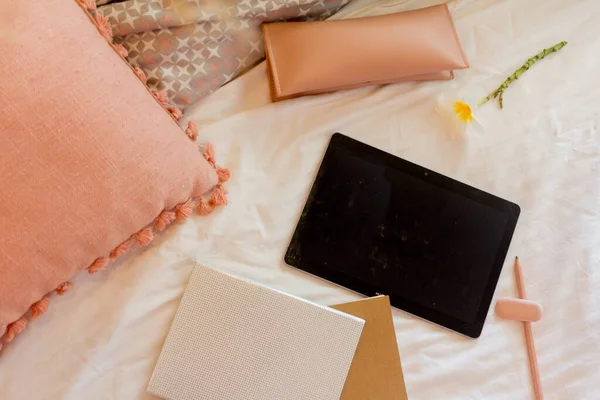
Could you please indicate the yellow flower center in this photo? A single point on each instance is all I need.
(463, 111)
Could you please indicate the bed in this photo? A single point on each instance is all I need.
(541, 151)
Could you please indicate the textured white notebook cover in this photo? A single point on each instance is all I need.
(236, 339)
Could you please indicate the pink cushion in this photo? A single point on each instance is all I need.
(89, 157)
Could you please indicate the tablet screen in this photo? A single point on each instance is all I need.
(378, 224)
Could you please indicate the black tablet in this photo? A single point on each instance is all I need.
(378, 224)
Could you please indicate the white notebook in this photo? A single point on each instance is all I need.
(235, 339)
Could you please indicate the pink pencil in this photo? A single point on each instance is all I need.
(533, 364)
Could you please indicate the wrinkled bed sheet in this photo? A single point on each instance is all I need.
(542, 151)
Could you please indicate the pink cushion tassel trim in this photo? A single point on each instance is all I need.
(98, 265)
(121, 50)
(175, 113)
(209, 154)
(204, 207)
(140, 74)
(192, 130)
(64, 288)
(161, 96)
(164, 219)
(15, 328)
(144, 237)
(218, 196)
(120, 250)
(39, 308)
(183, 211)
(223, 174)
(103, 26)
(89, 4)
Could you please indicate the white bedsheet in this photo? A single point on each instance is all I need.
(542, 151)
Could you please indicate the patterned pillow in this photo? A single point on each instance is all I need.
(79, 186)
(190, 48)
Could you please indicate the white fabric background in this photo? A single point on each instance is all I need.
(542, 151)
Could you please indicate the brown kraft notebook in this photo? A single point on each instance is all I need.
(376, 371)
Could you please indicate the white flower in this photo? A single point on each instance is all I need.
(456, 114)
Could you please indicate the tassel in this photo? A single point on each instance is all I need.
(140, 74)
(103, 26)
(164, 219)
(39, 308)
(121, 50)
(218, 196)
(143, 237)
(209, 154)
(63, 288)
(89, 4)
(120, 249)
(15, 328)
(192, 130)
(162, 97)
(223, 174)
(175, 113)
(98, 265)
(183, 211)
(204, 207)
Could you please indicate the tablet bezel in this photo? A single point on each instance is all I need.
(368, 152)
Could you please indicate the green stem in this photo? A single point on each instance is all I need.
(542, 54)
